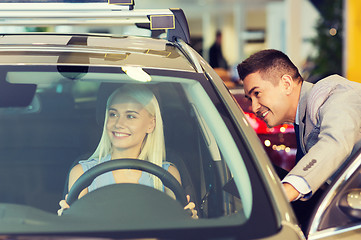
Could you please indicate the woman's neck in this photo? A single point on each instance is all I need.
(125, 153)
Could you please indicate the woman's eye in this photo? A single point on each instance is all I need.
(112, 114)
(257, 94)
(130, 116)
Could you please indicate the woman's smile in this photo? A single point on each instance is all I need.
(120, 134)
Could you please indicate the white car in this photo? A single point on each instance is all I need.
(53, 95)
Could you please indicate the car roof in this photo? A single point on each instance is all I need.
(172, 21)
(92, 49)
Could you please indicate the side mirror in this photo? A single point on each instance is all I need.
(350, 203)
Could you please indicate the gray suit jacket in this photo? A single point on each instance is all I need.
(330, 127)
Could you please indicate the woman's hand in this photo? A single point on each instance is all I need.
(63, 205)
(191, 206)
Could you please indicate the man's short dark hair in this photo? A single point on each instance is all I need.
(268, 63)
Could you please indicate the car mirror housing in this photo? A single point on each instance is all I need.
(350, 203)
(16, 95)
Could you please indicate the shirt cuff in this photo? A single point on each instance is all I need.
(300, 184)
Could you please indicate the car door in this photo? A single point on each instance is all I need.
(338, 215)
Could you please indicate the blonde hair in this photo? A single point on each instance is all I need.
(153, 147)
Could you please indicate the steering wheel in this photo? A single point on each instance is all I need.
(88, 177)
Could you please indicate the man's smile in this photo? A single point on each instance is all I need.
(265, 113)
(262, 114)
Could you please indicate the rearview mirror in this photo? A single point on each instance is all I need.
(16, 95)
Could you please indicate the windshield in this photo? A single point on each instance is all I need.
(56, 117)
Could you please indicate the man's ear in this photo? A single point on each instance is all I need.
(287, 83)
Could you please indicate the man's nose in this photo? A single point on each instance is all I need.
(255, 106)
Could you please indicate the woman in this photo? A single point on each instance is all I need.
(133, 128)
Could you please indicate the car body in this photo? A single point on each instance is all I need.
(53, 92)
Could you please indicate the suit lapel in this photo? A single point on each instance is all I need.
(306, 87)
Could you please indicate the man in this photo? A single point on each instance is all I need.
(328, 114)
(216, 59)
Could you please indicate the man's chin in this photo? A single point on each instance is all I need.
(270, 125)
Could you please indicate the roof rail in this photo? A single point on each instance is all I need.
(95, 14)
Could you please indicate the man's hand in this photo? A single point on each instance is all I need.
(291, 192)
